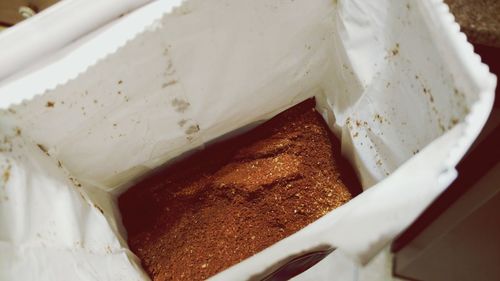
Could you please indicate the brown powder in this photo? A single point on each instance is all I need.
(221, 205)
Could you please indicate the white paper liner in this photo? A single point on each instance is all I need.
(394, 79)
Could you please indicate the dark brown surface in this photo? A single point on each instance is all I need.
(478, 19)
(226, 203)
(9, 9)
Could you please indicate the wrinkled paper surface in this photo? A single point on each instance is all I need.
(395, 80)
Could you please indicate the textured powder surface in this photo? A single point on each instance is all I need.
(223, 204)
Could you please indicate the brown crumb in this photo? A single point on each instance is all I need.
(6, 175)
(180, 105)
(43, 149)
(395, 51)
(169, 83)
(50, 104)
(182, 122)
(379, 118)
(98, 208)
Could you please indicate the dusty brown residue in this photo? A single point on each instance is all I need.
(427, 92)
(192, 129)
(75, 182)
(6, 174)
(98, 208)
(108, 249)
(395, 50)
(379, 118)
(182, 122)
(180, 105)
(169, 83)
(43, 149)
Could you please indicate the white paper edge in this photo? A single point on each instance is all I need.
(77, 61)
(55, 27)
(463, 52)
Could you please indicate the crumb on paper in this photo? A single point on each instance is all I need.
(169, 83)
(395, 51)
(6, 174)
(75, 182)
(192, 129)
(43, 149)
(180, 105)
(182, 122)
(98, 208)
(378, 118)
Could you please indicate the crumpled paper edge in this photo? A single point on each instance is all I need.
(152, 25)
(479, 110)
(466, 51)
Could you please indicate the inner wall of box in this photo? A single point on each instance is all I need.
(130, 115)
(211, 68)
(320, 107)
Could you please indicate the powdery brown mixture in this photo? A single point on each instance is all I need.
(234, 199)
